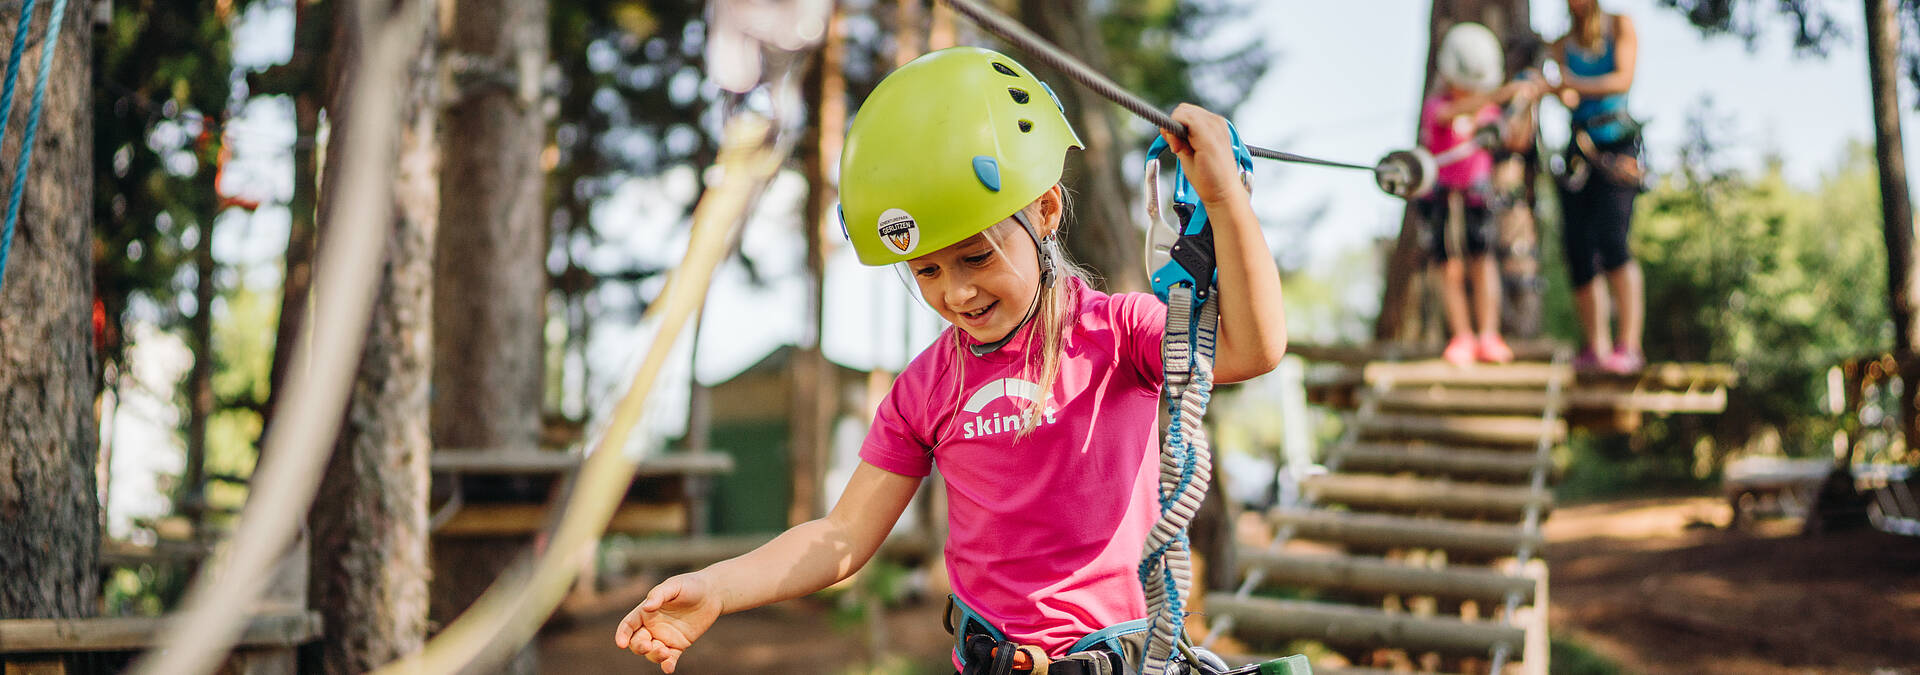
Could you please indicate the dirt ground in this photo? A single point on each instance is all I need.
(1654, 586)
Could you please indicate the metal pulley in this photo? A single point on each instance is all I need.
(1407, 174)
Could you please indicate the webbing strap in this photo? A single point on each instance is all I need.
(1186, 469)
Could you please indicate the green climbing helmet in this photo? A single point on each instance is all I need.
(945, 147)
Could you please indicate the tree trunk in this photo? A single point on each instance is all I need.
(815, 391)
(48, 432)
(300, 79)
(490, 276)
(1896, 212)
(1399, 319)
(1102, 234)
(370, 523)
(191, 495)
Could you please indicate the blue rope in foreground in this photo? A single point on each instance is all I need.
(47, 44)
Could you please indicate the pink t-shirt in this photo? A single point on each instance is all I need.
(1440, 135)
(1045, 532)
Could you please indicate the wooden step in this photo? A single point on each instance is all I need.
(1347, 626)
(1367, 574)
(1472, 429)
(1532, 375)
(1394, 493)
(1474, 400)
(1382, 531)
(1438, 460)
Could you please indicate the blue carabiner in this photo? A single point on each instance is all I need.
(1192, 253)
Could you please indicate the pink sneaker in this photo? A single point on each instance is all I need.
(1493, 349)
(1622, 362)
(1460, 351)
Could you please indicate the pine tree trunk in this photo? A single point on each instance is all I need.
(299, 79)
(1896, 211)
(1101, 233)
(48, 430)
(369, 522)
(490, 276)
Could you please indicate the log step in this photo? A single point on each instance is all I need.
(1475, 429)
(1437, 460)
(1392, 493)
(1367, 574)
(1474, 400)
(1346, 626)
(1435, 371)
(1375, 530)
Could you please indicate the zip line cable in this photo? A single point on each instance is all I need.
(1011, 31)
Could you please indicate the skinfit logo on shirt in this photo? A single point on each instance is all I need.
(996, 424)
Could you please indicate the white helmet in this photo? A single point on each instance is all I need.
(1471, 59)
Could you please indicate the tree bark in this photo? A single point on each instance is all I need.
(1896, 211)
(48, 431)
(490, 276)
(815, 392)
(1399, 318)
(1101, 234)
(369, 524)
(300, 79)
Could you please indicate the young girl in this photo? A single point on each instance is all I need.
(1471, 67)
(1039, 404)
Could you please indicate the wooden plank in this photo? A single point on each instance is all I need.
(1423, 373)
(535, 461)
(1473, 429)
(278, 629)
(1396, 493)
(1477, 400)
(1670, 376)
(1359, 354)
(698, 551)
(1387, 532)
(120, 553)
(1665, 402)
(1379, 576)
(1345, 626)
(517, 519)
(1437, 459)
(36, 666)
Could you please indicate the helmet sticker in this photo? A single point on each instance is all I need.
(899, 231)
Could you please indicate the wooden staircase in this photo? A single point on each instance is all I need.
(1419, 545)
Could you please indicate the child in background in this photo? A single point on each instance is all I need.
(1469, 96)
(1040, 402)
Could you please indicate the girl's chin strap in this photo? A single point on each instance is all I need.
(1046, 248)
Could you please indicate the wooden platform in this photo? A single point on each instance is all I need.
(1417, 380)
(59, 646)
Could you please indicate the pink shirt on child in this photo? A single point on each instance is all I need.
(1440, 135)
(1045, 532)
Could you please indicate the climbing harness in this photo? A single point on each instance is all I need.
(48, 42)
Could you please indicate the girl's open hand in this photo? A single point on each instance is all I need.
(1207, 154)
(675, 613)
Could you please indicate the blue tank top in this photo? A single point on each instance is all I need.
(1585, 64)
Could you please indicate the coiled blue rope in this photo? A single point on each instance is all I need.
(47, 44)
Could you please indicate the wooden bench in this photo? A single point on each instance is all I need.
(683, 510)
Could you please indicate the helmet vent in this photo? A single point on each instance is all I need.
(1026, 126)
(1004, 70)
(1019, 95)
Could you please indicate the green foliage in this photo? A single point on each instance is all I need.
(1167, 51)
(1746, 269)
(1572, 658)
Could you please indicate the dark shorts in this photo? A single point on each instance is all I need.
(1476, 238)
(1596, 220)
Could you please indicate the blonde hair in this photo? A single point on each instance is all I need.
(1054, 314)
(1589, 32)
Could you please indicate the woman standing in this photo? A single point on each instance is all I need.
(1604, 173)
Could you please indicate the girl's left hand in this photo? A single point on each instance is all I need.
(1207, 154)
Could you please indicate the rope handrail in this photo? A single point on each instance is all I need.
(48, 43)
(308, 418)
